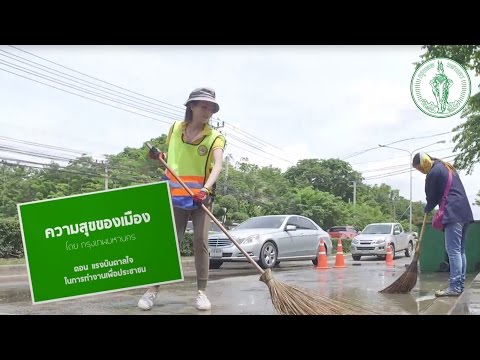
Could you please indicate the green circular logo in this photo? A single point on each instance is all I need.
(440, 87)
(202, 150)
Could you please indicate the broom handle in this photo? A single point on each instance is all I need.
(417, 247)
(249, 258)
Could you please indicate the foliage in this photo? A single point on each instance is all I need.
(467, 138)
(346, 245)
(319, 189)
(332, 175)
(467, 144)
(186, 246)
(11, 245)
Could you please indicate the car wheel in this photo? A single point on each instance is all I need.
(356, 257)
(315, 261)
(215, 264)
(409, 250)
(268, 255)
(277, 264)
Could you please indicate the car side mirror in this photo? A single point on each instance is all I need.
(290, 228)
(396, 232)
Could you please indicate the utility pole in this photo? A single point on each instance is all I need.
(394, 194)
(217, 124)
(226, 176)
(354, 194)
(4, 186)
(354, 182)
(106, 175)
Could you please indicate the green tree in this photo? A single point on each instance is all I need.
(324, 208)
(467, 143)
(332, 175)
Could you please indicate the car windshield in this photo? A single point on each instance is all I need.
(267, 222)
(214, 227)
(337, 228)
(377, 229)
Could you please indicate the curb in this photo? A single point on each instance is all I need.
(17, 271)
(469, 302)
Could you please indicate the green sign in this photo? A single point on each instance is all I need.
(100, 242)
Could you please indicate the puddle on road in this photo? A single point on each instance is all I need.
(361, 288)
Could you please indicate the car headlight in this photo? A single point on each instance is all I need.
(355, 241)
(252, 239)
(380, 241)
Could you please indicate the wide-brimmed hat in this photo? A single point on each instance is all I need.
(203, 94)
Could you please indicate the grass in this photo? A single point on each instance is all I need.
(12, 261)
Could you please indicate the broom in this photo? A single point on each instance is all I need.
(286, 299)
(407, 281)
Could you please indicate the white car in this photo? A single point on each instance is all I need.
(211, 230)
(269, 240)
(374, 238)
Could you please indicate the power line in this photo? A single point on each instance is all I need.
(398, 157)
(78, 88)
(259, 149)
(241, 140)
(92, 77)
(43, 145)
(85, 97)
(394, 142)
(244, 133)
(398, 172)
(95, 86)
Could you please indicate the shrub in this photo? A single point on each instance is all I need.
(10, 239)
(346, 244)
(186, 247)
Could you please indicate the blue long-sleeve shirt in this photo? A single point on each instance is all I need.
(457, 207)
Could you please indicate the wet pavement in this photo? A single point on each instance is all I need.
(235, 289)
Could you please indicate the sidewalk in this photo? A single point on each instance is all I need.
(469, 302)
(9, 273)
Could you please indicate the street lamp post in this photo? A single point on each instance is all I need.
(410, 153)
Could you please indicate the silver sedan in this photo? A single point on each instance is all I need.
(269, 240)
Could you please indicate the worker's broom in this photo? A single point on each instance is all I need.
(407, 281)
(286, 299)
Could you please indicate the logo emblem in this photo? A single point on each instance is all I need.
(440, 87)
(202, 150)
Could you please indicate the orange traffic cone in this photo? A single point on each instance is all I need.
(339, 259)
(389, 257)
(322, 256)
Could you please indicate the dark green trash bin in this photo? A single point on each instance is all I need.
(473, 248)
(432, 250)
(433, 256)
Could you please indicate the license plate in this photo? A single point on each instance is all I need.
(216, 253)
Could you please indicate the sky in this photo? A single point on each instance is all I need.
(278, 104)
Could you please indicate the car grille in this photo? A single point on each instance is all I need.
(219, 242)
(365, 248)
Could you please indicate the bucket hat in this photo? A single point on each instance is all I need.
(203, 94)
